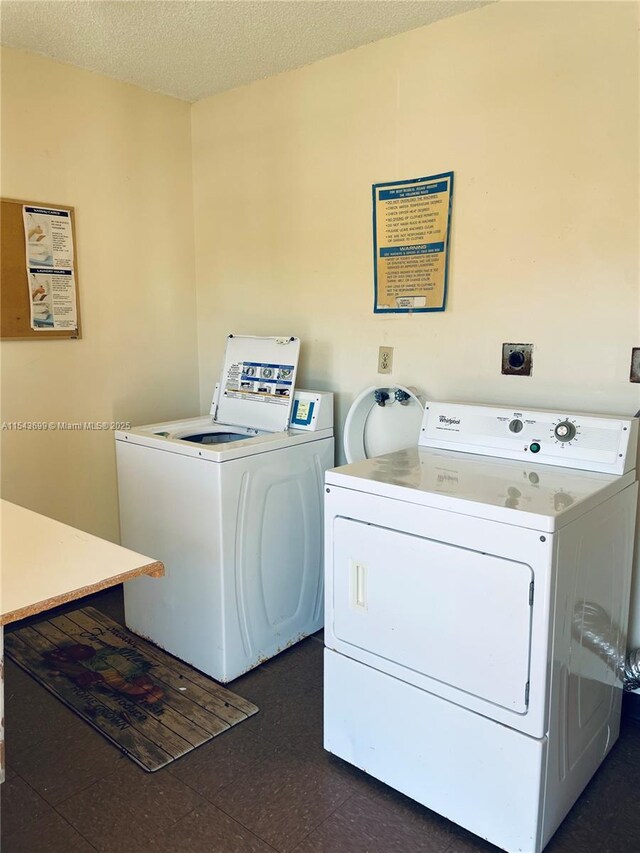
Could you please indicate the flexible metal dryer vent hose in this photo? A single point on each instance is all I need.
(631, 675)
(594, 627)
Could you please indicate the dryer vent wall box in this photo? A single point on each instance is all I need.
(469, 592)
(234, 510)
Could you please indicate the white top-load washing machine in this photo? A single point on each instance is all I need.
(232, 505)
(477, 591)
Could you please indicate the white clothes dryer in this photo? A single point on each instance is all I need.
(477, 594)
(232, 505)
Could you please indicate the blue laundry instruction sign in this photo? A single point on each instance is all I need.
(411, 225)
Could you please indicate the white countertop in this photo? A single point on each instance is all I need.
(45, 563)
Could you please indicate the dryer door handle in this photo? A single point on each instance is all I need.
(358, 585)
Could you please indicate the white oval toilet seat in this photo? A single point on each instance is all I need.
(371, 429)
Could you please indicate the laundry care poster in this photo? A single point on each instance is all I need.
(411, 226)
(50, 268)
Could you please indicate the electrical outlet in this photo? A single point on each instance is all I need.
(385, 359)
(517, 359)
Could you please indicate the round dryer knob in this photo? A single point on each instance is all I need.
(564, 431)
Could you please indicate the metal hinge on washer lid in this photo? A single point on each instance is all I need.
(276, 338)
(213, 409)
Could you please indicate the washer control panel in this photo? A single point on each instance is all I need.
(589, 442)
(312, 410)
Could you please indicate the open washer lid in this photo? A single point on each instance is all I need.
(257, 382)
(372, 428)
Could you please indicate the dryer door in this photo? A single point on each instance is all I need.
(458, 616)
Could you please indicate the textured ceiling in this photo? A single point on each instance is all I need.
(194, 48)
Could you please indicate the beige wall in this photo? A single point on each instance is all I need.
(122, 157)
(534, 106)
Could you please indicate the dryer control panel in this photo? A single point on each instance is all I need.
(584, 441)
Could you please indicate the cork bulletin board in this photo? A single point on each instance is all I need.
(17, 280)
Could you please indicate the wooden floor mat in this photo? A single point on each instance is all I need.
(151, 705)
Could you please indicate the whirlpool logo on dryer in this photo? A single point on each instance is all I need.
(446, 422)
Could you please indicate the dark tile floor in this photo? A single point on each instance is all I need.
(265, 785)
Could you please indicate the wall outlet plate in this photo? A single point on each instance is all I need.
(385, 359)
(517, 359)
(634, 373)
